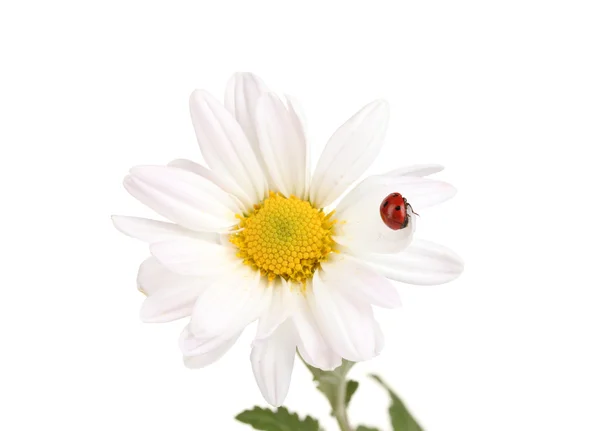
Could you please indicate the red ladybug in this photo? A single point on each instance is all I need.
(394, 211)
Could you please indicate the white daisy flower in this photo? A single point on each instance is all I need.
(253, 237)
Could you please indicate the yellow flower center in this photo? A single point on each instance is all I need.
(284, 237)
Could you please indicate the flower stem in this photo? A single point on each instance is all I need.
(340, 411)
(334, 386)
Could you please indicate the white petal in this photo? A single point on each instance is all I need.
(415, 171)
(170, 296)
(185, 198)
(349, 152)
(185, 184)
(174, 301)
(201, 361)
(419, 192)
(155, 231)
(192, 345)
(282, 145)
(273, 361)
(241, 99)
(379, 340)
(362, 228)
(224, 145)
(282, 306)
(311, 345)
(423, 263)
(366, 232)
(207, 356)
(230, 303)
(301, 124)
(224, 182)
(348, 326)
(298, 116)
(359, 282)
(192, 257)
(153, 276)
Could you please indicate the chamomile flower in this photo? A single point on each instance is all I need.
(254, 236)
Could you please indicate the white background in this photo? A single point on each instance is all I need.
(505, 94)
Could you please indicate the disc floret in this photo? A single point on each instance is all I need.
(284, 237)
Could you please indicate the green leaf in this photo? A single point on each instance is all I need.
(364, 428)
(328, 382)
(279, 420)
(401, 417)
(351, 387)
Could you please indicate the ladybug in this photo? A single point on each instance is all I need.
(394, 211)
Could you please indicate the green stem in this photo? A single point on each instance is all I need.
(334, 386)
(340, 411)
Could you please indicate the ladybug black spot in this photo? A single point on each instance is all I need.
(385, 204)
(398, 208)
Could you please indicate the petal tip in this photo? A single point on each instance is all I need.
(140, 171)
(145, 315)
(198, 98)
(116, 219)
(246, 76)
(127, 182)
(120, 223)
(380, 105)
(382, 102)
(198, 94)
(452, 191)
